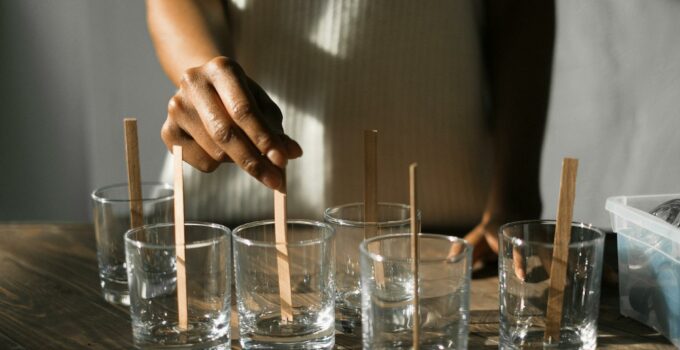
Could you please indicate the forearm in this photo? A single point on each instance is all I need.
(186, 33)
(520, 47)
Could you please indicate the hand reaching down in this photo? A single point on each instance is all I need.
(219, 114)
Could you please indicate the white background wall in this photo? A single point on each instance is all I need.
(615, 102)
(72, 69)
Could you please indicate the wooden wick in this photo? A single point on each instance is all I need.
(370, 183)
(133, 173)
(179, 240)
(558, 270)
(282, 258)
(415, 254)
(371, 199)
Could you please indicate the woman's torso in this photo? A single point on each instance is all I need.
(410, 69)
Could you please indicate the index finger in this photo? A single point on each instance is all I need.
(231, 85)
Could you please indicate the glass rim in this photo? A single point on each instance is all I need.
(390, 223)
(520, 242)
(464, 254)
(326, 235)
(198, 244)
(97, 197)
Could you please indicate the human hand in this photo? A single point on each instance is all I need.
(484, 239)
(220, 115)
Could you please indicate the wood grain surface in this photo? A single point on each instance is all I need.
(50, 299)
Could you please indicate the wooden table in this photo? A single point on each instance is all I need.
(50, 299)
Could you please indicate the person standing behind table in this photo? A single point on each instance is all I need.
(461, 86)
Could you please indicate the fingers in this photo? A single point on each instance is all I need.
(485, 242)
(518, 260)
(275, 118)
(481, 253)
(484, 239)
(220, 114)
(491, 237)
(232, 89)
(476, 239)
(519, 264)
(227, 135)
(292, 147)
(272, 112)
(183, 115)
(192, 152)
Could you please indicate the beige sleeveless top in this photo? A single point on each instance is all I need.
(410, 69)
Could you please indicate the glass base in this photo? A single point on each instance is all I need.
(300, 335)
(348, 322)
(199, 335)
(348, 312)
(114, 289)
(117, 297)
(404, 341)
(308, 330)
(326, 342)
(569, 340)
(349, 327)
(222, 344)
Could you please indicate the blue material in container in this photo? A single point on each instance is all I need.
(649, 263)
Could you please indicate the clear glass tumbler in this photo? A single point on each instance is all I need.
(310, 246)
(111, 211)
(525, 258)
(351, 229)
(388, 292)
(152, 277)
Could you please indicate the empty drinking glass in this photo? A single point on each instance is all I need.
(111, 210)
(351, 229)
(388, 292)
(525, 259)
(152, 276)
(309, 250)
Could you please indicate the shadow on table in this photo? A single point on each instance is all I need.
(615, 329)
(628, 339)
(480, 341)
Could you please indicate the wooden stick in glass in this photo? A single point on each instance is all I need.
(415, 254)
(371, 198)
(179, 239)
(370, 182)
(558, 269)
(282, 258)
(133, 172)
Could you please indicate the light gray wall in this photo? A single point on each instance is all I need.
(615, 102)
(71, 70)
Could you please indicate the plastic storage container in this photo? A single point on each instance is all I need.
(649, 263)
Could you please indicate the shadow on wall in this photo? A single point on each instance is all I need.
(71, 71)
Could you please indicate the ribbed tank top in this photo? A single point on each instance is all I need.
(410, 69)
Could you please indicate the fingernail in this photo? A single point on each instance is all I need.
(277, 158)
(271, 181)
